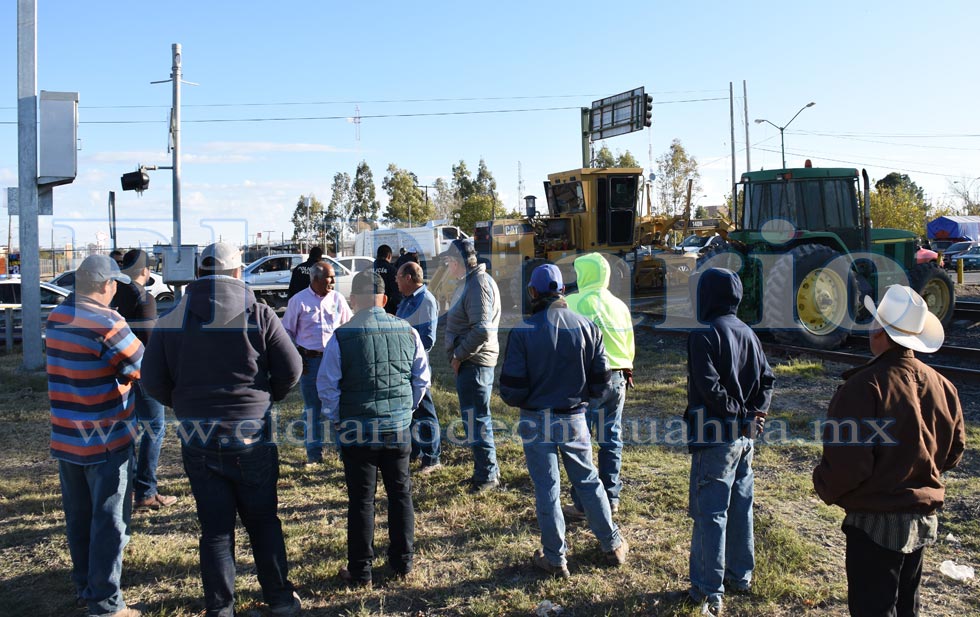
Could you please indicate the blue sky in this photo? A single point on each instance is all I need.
(894, 82)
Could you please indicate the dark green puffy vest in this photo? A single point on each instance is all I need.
(376, 355)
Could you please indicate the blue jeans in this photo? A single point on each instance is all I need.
(722, 544)
(98, 505)
(605, 418)
(546, 437)
(362, 465)
(426, 436)
(312, 409)
(242, 481)
(473, 386)
(151, 416)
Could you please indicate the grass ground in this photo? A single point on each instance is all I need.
(473, 550)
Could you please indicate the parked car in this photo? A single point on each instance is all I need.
(51, 296)
(969, 257)
(356, 264)
(269, 269)
(700, 244)
(924, 255)
(155, 285)
(954, 250)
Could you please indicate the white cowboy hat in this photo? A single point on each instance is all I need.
(906, 318)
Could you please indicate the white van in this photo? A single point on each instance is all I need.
(431, 240)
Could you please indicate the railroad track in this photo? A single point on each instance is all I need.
(955, 363)
(967, 309)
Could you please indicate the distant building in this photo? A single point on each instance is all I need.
(714, 212)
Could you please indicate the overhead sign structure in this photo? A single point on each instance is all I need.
(620, 114)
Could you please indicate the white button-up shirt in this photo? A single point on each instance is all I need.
(311, 319)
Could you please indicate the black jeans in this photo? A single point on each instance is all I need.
(361, 465)
(880, 582)
(242, 481)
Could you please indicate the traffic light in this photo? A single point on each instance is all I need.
(648, 111)
(136, 181)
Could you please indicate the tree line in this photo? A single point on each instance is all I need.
(463, 198)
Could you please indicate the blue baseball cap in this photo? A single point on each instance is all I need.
(547, 279)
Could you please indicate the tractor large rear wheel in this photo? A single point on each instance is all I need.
(824, 294)
(936, 288)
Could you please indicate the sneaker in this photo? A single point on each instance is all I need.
(348, 579)
(427, 469)
(617, 556)
(156, 502)
(287, 610)
(482, 487)
(572, 513)
(127, 612)
(614, 506)
(710, 608)
(541, 562)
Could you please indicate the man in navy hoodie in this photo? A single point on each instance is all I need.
(220, 359)
(729, 389)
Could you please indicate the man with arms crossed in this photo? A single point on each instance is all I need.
(310, 320)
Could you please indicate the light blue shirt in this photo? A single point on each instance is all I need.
(422, 311)
(328, 379)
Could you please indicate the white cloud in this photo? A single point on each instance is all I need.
(211, 159)
(134, 158)
(267, 146)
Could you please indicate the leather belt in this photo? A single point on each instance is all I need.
(309, 353)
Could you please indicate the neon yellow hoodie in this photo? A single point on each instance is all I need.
(595, 302)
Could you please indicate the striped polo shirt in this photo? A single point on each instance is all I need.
(92, 358)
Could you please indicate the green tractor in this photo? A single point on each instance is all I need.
(807, 255)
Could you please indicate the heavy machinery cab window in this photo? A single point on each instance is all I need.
(566, 198)
(555, 235)
(807, 204)
(615, 210)
(481, 239)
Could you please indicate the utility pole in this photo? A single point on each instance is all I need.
(175, 79)
(309, 226)
(745, 108)
(731, 109)
(112, 219)
(30, 266)
(175, 133)
(421, 186)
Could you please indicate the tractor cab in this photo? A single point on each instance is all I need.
(815, 230)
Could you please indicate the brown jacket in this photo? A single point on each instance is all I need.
(913, 418)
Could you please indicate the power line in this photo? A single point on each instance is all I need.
(396, 115)
(889, 143)
(861, 164)
(382, 101)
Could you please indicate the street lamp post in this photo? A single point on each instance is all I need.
(782, 141)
